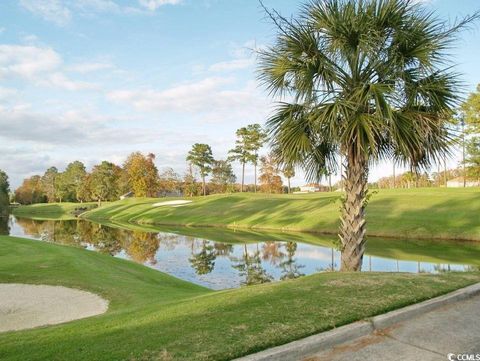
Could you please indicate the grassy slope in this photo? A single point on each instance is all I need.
(402, 213)
(154, 316)
(53, 211)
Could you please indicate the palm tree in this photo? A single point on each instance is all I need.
(369, 81)
(288, 172)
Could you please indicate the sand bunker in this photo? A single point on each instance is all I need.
(27, 306)
(177, 203)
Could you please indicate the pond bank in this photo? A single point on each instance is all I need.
(426, 213)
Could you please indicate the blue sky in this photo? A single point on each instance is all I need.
(97, 79)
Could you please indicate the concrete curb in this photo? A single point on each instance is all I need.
(303, 348)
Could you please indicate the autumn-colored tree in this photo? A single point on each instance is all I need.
(142, 247)
(201, 157)
(270, 180)
(141, 174)
(31, 191)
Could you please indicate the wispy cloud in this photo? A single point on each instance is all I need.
(61, 12)
(67, 128)
(231, 65)
(54, 11)
(208, 96)
(41, 66)
(88, 67)
(153, 5)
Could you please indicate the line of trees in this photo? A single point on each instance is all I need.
(466, 135)
(470, 125)
(138, 176)
(4, 192)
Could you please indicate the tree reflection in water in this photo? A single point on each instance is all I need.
(4, 224)
(229, 264)
(290, 268)
(144, 247)
(204, 261)
(250, 267)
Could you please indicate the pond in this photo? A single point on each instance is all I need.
(222, 258)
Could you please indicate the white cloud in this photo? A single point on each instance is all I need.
(51, 10)
(207, 96)
(84, 68)
(155, 4)
(236, 64)
(68, 128)
(41, 66)
(60, 12)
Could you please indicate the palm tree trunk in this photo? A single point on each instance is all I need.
(288, 185)
(243, 176)
(353, 225)
(393, 174)
(204, 188)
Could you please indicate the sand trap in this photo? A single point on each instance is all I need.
(27, 306)
(177, 203)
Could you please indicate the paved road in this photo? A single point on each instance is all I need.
(429, 337)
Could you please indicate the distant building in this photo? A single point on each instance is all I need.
(310, 188)
(458, 183)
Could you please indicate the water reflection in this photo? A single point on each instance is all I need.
(225, 264)
(4, 224)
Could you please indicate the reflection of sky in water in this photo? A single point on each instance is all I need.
(175, 252)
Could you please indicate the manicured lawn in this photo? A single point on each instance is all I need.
(429, 213)
(55, 211)
(156, 317)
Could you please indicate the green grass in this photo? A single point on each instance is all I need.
(51, 211)
(426, 213)
(153, 316)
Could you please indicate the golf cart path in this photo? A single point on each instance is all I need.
(451, 329)
(25, 306)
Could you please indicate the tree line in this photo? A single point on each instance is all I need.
(139, 176)
(4, 192)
